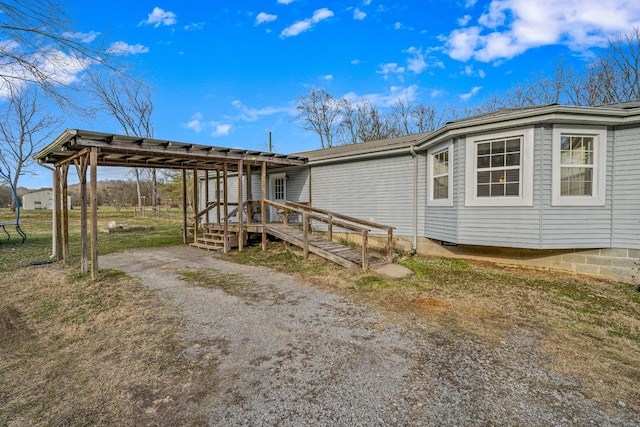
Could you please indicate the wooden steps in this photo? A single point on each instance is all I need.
(213, 240)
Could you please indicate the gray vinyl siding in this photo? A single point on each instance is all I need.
(507, 226)
(626, 194)
(441, 222)
(565, 227)
(379, 190)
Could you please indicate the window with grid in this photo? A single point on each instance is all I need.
(576, 165)
(498, 171)
(278, 189)
(440, 178)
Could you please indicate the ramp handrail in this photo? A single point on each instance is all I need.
(335, 219)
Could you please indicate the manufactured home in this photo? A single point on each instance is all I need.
(548, 186)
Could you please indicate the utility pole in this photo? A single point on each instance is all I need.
(270, 143)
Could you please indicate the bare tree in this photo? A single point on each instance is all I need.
(320, 112)
(39, 47)
(129, 101)
(402, 117)
(24, 127)
(425, 118)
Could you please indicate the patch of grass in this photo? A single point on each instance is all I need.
(373, 283)
(231, 284)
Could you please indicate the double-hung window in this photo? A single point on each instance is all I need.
(499, 169)
(440, 176)
(578, 165)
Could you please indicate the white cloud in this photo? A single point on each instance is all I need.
(464, 20)
(221, 130)
(409, 93)
(301, 26)
(356, 62)
(466, 96)
(159, 17)
(123, 48)
(390, 68)
(60, 68)
(508, 28)
(359, 15)
(247, 114)
(328, 77)
(437, 93)
(285, 1)
(470, 3)
(263, 17)
(195, 123)
(82, 37)
(194, 26)
(397, 26)
(416, 63)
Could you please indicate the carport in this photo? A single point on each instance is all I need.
(87, 150)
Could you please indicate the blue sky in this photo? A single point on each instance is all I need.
(229, 72)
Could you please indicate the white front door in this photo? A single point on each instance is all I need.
(277, 193)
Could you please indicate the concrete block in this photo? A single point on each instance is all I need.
(588, 269)
(633, 253)
(574, 258)
(599, 260)
(615, 252)
(625, 275)
(626, 263)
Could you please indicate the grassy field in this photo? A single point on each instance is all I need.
(74, 351)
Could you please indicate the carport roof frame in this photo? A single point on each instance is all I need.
(132, 151)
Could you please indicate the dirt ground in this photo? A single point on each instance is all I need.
(278, 351)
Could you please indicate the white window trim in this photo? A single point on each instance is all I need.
(526, 169)
(449, 200)
(597, 198)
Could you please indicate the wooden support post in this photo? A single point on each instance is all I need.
(305, 234)
(390, 245)
(240, 203)
(218, 196)
(330, 226)
(184, 206)
(226, 208)
(81, 167)
(249, 195)
(263, 205)
(65, 211)
(93, 164)
(206, 193)
(58, 208)
(365, 254)
(195, 205)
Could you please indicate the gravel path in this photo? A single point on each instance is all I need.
(289, 354)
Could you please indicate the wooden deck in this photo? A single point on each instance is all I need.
(335, 252)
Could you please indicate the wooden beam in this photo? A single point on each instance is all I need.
(218, 196)
(184, 153)
(249, 195)
(263, 206)
(184, 206)
(226, 208)
(93, 164)
(240, 202)
(206, 193)
(58, 208)
(195, 205)
(81, 167)
(65, 211)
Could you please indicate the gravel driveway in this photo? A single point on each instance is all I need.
(289, 354)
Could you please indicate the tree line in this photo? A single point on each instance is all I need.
(612, 76)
